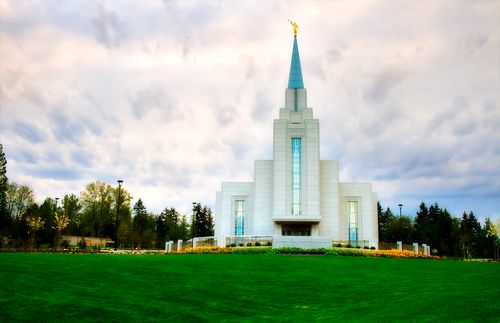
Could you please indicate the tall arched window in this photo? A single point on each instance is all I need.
(239, 218)
(353, 221)
(296, 173)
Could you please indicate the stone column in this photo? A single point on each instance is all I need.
(179, 245)
(428, 250)
(415, 247)
(424, 246)
(166, 246)
(400, 245)
(221, 242)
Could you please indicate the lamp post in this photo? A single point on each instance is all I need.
(400, 206)
(192, 226)
(56, 244)
(117, 212)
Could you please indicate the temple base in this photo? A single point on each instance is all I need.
(305, 242)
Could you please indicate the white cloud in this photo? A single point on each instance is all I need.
(175, 97)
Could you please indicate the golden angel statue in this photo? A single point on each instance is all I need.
(295, 27)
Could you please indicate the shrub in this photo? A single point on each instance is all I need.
(204, 250)
(44, 246)
(249, 251)
(257, 244)
(346, 252)
(301, 251)
(366, 247)
(249, 244)
(286, 250)
(269, 244)
(82, 244)
(4, 242)
(240, 244)
(271, 251)
(358, 247)
(338, 245)
(233, 245)
(348, 245)
(65, 244)
(332, 252)
(372, 248)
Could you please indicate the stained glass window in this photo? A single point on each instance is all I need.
(296, 173)
(353, 221)
(239, 223)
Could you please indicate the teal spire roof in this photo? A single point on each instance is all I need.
(295, 80)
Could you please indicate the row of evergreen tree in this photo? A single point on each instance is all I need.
(446, 234)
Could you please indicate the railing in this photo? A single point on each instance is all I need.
(204, 241)
(240, 241)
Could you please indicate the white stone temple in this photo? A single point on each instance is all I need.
(296, 198)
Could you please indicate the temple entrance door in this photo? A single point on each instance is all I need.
(296, 229)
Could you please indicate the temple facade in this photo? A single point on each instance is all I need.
(296, 198)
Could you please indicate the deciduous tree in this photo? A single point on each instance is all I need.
(34, 223)
(61, 221)
(19, 198)
(99, 204)
(71, 207)
(490, 237)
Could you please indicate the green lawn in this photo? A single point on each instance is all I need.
(59, 287)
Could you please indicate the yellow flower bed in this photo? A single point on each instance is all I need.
(206, 250)
(394, 253)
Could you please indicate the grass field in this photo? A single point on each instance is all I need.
(65, 287)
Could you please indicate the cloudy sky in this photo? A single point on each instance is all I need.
(175, 97)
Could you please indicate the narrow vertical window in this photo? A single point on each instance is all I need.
(239, 217)
(353, 221)
(296, 172)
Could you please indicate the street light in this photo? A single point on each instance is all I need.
(57, 199)
(120, 182)
(192, 226)
(400, 206)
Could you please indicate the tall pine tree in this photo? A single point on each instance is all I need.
(202, 221)
(421, 224)
(384, 220)
(4, 219)
(141, 225)
(470, 231)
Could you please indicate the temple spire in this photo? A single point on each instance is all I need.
(295, 80)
